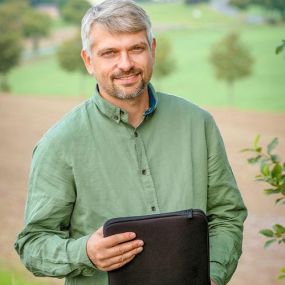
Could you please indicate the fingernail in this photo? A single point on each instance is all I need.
(132, 235)
(140, 243)
(140, 249)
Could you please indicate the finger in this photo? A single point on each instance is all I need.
(123, 248)
(100, 231)
(114, 240)
(119, 264)
(121, 258)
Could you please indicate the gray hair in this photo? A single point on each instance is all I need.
(117, 16)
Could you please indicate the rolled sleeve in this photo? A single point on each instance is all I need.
(226, 211)
(45, 245)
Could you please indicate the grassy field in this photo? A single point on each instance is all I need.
(11, 277)
(193, 78)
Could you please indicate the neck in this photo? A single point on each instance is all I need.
(134, 106)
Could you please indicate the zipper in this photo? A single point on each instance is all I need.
(189, 213)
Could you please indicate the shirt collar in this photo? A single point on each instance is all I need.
(117, 114)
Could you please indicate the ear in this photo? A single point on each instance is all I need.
(153, 48)
(87, 61)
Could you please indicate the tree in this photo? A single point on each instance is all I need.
(59, 3)
(20, 17)
(241, 4)
(273, 5)
(11, 14)
(74, 10)
(70, 60)
(268, 5)
(272, 172)
(10, 42)
(164, 63)
(190, 2)
(69, 55)
(231, 60)
(11, 48)
(35, 26)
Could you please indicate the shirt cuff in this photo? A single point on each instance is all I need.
(88, 268)
(217, 273)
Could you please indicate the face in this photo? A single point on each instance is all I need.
(122, 63)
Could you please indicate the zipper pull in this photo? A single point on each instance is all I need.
(189, 213)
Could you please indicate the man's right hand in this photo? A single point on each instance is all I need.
(109, 253)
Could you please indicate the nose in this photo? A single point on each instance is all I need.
(125, 62)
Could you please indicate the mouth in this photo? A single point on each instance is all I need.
(127, 79)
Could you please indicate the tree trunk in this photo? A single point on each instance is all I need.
(35, 44)
(4, 85)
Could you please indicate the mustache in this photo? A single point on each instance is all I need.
(122, 74)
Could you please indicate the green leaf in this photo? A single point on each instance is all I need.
(267, 232)
(256, 141)
(272, 145)
(277, 170)
(274, 158)
(281, 277)
(265, 169)
(258, 149)
(283, 270)
(280, 48)
(279, 201)
(254, 160)
(269, 242)
(271, 191)
(279, 229)
(247, 149)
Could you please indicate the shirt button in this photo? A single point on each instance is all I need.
(116, 117)
(144, 172)
(136, 134)
(153, 208)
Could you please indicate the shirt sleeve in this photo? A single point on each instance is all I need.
(45, 245)
(225, 209)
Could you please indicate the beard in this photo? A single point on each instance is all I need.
(128, 91)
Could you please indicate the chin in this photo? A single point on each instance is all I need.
(130, 92)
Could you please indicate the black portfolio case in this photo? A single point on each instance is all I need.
(176, 250)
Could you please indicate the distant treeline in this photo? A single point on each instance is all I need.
(39, 2)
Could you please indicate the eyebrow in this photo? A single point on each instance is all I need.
(107, 49)
(139, 44)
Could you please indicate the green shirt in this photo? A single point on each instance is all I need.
(93, 166)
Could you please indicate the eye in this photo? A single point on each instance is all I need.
(108, 54)
(138, 49)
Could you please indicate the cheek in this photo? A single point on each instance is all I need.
(101, 71)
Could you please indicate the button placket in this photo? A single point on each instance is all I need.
(146, 178)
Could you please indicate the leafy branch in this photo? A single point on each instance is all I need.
(272, 172)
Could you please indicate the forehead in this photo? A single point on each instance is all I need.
(101, 37)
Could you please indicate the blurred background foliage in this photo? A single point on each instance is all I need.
(40, 46)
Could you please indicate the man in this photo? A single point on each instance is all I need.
(127, 151)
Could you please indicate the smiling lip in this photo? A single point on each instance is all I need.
(128, 79)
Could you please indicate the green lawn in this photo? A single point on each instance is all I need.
(194, 16)
(9, 277)
(193, 77)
